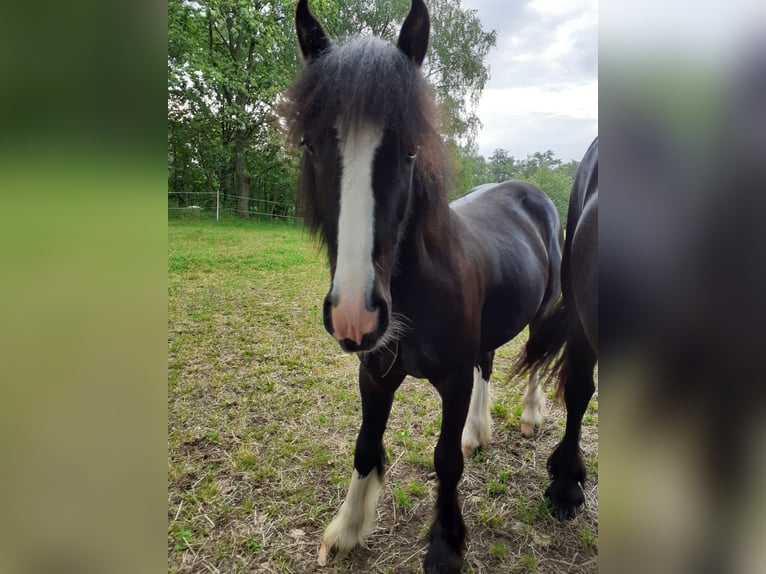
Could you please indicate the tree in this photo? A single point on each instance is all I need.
(503, 166)
(228, 63)
(456, 66)
(455, 63)
(542, 169)
(231, 61)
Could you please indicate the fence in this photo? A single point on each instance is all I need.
(259, 207)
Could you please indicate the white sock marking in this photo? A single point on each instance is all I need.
(355, 519)
(478, 425)
(534, 407)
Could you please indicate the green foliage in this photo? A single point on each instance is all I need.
(455, 63)
(455, 66)
(230, 63)
(542, 169)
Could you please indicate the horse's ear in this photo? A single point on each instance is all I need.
(311, 36)
(413, 39)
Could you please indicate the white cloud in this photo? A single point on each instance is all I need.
(558, 7)
(529, 119)
(543, 88)
(578, 101)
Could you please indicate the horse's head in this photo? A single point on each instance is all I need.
(359, 111)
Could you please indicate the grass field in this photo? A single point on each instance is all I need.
(263, 411)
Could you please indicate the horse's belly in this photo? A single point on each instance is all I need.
(508, 309)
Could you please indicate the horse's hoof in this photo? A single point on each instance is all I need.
(443, 564)
(328, 555)
(566, 498)
(442, 556)
(528, 430)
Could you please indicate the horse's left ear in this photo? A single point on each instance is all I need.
(413, 39)
(311, 37)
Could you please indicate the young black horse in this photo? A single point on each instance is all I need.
(573, 326)
(417, 287)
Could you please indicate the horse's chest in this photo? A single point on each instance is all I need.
(432, 357)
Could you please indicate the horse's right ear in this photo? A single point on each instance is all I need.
(413, 38)
(311, 36)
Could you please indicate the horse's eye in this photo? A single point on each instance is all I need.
(412, 156)
(307, 144)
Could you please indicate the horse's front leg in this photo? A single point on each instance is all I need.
(356, 517)
(447, 536)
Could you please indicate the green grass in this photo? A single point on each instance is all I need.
(416, 489)
(588, 539)
(499, 550)
(499, 410)
(183, 537)
(496, 488)
(528, 563)
(402, 497)
(263, 412)
(252, 546)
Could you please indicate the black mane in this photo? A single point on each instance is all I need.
(367, 80)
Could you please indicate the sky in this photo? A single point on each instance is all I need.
(543, 88)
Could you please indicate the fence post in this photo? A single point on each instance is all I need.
(217, 202)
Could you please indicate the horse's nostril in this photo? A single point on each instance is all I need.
(349, 346)
(327, 314)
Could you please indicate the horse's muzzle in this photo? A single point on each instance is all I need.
(357, 327)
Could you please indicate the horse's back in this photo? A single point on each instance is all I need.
(497, 201)
(509, 211)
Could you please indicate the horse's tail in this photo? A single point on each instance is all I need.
(548, 331)
(543, 351)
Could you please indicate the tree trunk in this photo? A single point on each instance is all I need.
(242, 177)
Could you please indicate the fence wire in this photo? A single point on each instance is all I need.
(260, 203)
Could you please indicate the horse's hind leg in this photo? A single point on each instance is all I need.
(534, 406)
(356, 517)
(565, 465)
(478, 426)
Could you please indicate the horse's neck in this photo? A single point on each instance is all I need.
(430, 241)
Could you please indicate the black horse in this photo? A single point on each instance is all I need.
(418, 287)
(573, 326)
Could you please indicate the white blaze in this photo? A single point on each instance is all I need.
(354, 272)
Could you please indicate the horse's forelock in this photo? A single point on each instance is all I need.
(366, 80)
(363, 81)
